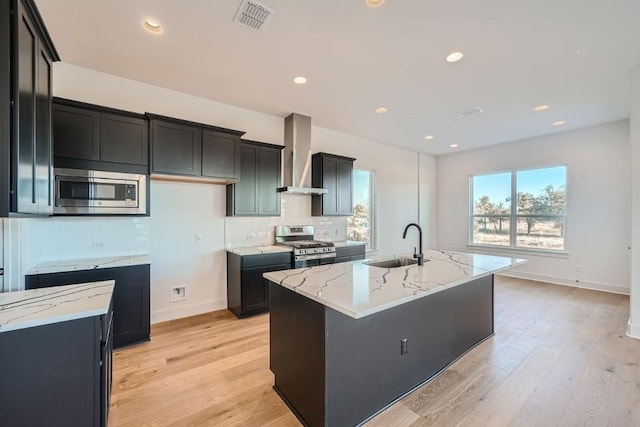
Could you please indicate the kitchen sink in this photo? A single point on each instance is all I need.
(393, 263)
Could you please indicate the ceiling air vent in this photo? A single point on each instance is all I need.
(470, 112)
(252, 14)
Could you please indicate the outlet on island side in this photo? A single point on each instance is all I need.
(403, 346)
(178, 293)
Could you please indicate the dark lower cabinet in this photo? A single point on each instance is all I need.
(350, 253)
(131, 297)
(57, 375)
(247, 290)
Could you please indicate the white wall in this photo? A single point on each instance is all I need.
(397, 176)
(634, 321)
(175, 257)
(598, 205)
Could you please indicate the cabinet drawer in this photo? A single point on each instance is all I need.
(265, 260)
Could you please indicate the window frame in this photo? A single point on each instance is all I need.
(373, 241)
(513, 216)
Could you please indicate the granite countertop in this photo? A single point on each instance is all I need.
(36, 307)
(357, 289)
(87, 264)
(257, 250)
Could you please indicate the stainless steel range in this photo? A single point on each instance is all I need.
(306, 251)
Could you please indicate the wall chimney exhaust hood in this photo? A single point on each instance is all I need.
(297, 156)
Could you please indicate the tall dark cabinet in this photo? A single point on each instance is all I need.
(335, 173)
(255, 194)
(26, 57)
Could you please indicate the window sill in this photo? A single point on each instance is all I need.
(520, 251)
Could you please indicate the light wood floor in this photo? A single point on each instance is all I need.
(559, 357)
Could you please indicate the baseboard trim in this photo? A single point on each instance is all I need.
(181, 310)
(633, 331)
(584, 284)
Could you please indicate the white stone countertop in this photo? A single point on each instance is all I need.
(358, 290)
(36, 307)
(257, 250)
(343, 243)
(88, 264)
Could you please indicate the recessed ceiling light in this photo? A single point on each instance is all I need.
(454, 146)
(152, 26)
(300, 80)
(541, 108)
(428, 137)
(374, 3)
(558, 123)
(381, 110)
(454, 56)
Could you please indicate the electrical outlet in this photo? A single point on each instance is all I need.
(97, 244)
(198, 237)
(403, 346)
(178, 293)
(577, 269)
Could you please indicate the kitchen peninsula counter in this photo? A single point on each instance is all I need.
(38, 307)
(348, 340)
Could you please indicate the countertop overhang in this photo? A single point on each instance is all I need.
(37, 307)
(358, 290)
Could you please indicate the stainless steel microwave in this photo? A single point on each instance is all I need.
(98, 192)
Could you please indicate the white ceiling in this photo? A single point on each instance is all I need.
(518, 54)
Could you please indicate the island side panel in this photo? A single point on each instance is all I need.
(365, 369)
(296, 333)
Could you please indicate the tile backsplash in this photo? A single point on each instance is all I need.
(242, 232)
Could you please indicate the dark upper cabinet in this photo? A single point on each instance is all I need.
(176, 149)
(335, 173)
(179, 147)
(87, 136)
(255, 193)
(124, 139)
(26, 57)
(220, 155)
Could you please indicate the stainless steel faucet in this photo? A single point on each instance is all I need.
(418, 255)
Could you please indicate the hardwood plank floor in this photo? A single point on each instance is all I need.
(560, 357)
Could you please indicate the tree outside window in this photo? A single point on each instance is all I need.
(536, 220)
(360, 226)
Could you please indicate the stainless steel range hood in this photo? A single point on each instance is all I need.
(297, 156)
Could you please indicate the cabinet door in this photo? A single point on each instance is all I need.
(25, 132)
(269, 181)
(255, 288)
(123, 139)
(43, 176)
(131, 303)
(330, 202)
(76, 133)
(246, 189)
(176, 149)
(344, 174)
(220, 155)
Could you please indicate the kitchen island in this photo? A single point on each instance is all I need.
(348, 340)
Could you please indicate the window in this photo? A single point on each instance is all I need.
(520, 209)
(360, 226)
